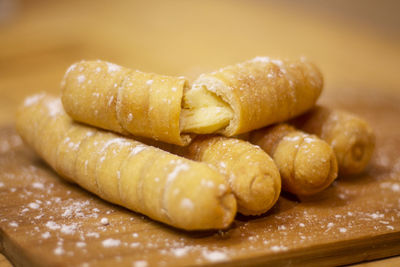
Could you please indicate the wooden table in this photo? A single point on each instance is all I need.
(357, 46)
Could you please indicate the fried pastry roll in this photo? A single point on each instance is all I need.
(351, 138)
(112, 97)
(306, 163)
(233, 100)
(183, 193)
(251, 173)
(250, 95)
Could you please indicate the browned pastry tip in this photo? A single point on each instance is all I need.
(306, 163)
(351, 138)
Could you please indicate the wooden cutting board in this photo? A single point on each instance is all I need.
(48, 222)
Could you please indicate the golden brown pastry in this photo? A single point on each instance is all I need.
(233, 100)
(251, 173)
(168, 188)
(250, 95)
(306, 163)
(111, 97)
(351, 138)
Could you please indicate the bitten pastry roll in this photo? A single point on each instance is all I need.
(306, 163)
(351, 138)
(250, 95)
(112, 97)
(168, 188)
(233, 100)
(251, 173)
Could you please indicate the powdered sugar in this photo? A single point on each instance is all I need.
(277, 62)
(215, 256)
(38, 185)
(81, 78)
(186, 203)
(93, 234)
(130, 117)
(207, 183)
(278, 248)
(54, 107)
(140, 263)
(80, 244)
(110, 242)
(134, 245)
(178, 168)
(376, 215)
(179, 252)
(68, 229)
(52, 225)
(46, 235)
(59, 251)
(112, 67)
(29, 101)
(13, 224)
(261, 59)
(291, 138)
(104, 221)
(395, 187)
(71, 68)
(137, 149)
(33, 205)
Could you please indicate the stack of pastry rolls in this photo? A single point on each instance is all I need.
(193, 154)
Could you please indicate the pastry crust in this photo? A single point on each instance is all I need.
(306, 163)
(115, 98)
(168, 188)
(251, 173)
(262, 91)
(351, 138)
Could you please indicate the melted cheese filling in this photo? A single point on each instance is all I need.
(204, 112)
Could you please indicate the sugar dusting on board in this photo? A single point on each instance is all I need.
(13, 224)
(110, 242)
(140, 263)
(215, 256)
(104, 221)
(12, 142)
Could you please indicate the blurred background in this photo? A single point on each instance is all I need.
(355, 43)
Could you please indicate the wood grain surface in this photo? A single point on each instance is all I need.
(46, 221)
